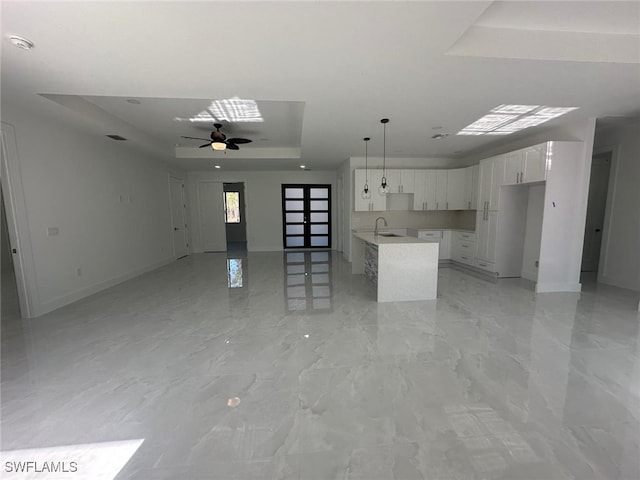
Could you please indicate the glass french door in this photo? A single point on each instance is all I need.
(306, 216)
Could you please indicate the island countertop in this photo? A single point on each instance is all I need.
(370, 237)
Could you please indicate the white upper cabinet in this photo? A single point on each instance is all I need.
(407, 181)
(526, 166)
(401, 181)
(377, 202)
(534, 164)
(456, 191)
(471, 187)
(512, 167)
(441, 190)
(424, 197)
(491, 177)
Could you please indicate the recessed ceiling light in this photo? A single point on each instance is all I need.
(116, 137)
(21, 42)
(217, 166)
(438, 136)
(133, 101)
(507, 119)
(303, 166)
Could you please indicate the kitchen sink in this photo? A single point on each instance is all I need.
(388, 234)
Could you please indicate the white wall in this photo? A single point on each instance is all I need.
(110, 206)
(620, 257)
(263, 203)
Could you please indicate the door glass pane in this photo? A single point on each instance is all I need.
(319, 217)
(294, 205)
(320, 291)
(293, 193)
(319, 241)
(296, 292)
(296, 279)
(322, 229)
(319, 205)
(319, 256)
(319, 193)
(295, 257)
(292, 269)
(294, 217)
(320, 278)
(295, 241)
(296, 230)
(320, 267)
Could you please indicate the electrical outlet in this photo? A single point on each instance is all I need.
(537, 263)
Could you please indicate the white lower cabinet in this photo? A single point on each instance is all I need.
(463, 247)
(443, 237)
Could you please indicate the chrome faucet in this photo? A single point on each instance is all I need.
(375, 231)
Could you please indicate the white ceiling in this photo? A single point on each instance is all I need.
(323, 73)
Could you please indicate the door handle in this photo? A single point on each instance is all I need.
(597, 229)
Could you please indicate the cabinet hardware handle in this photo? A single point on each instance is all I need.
(426, 205)
(447, 206)
(469, 205)
(437, 205)
(521, 177)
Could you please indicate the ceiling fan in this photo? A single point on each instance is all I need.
(219, 140)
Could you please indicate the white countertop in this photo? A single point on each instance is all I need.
(382, 240)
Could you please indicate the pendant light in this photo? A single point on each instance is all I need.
(366, 193)
(383, 189)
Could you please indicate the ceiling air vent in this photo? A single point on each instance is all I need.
(116, 137)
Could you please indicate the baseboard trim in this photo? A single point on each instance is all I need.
(63, 300)
(558, 287)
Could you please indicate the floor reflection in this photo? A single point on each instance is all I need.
(308, 285)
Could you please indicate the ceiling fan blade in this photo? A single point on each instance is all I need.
(239, 141)
(205, 145)
(195, 138)
(232, 146)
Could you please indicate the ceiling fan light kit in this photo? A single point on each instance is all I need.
(383, 189)
(219, 141)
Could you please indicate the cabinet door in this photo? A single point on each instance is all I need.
(407, 181)
(420, 182)
(445, 246)
(393, 180)
(430, 187)
(512, 167)
(534, 164)
(473, 197)
(486, 234)
(441, 190)
(359, 203)
(378, 202)
(485, 179)
(496, 182)
(456, 180)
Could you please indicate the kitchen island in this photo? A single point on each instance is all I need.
(402, 268)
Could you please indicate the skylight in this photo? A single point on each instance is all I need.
(507, 119)
(229, 110)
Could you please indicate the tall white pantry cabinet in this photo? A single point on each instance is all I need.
(510, 230)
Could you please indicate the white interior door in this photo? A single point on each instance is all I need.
(178, 218)
(598, 187)
(211, 207)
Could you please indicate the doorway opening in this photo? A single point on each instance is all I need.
(9, 286)
(596, 206)
(306, 216)
(235, 219)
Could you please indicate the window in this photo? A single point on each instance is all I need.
(232, 207)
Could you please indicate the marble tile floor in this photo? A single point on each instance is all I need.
(282, 366)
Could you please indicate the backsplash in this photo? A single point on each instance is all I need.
(446, 219)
